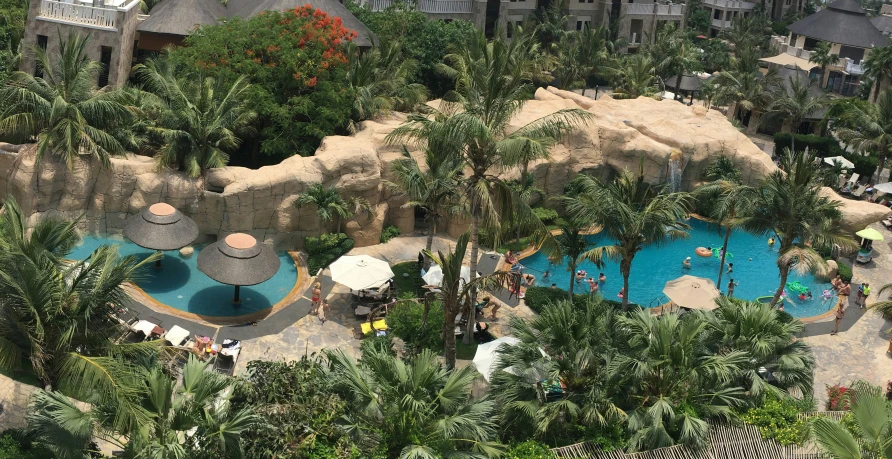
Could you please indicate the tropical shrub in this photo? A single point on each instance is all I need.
(537, 298)
(389, 232)
(296, 60)
(530, 449)
(324, 249)
(836, 398)
(546, 215)
(777, 419)
(845, 271)
(404, 321)
(817, 145)
(15, 445)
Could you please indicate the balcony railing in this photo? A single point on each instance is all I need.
(853, 68)
(730, 4)
(428, 6)
(651, 8)
(79, 14)
(670, 10)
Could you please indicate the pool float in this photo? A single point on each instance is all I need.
(765, 299)
(797, 287)
(703, 252)
(718, 253)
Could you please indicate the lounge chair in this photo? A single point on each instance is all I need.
(853, 180)
(860, 191)
(887, 223)
(176, 336)
(228, 356)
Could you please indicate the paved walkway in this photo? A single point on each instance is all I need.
(860, 351)
(14, 397)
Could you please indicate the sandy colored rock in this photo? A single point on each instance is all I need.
(831, 271)
(579, 99)
(857, 215)
(187, 252)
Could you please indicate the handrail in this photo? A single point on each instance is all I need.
(80, 14)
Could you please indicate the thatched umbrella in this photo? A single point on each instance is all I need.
(238, 260)
(160, 227)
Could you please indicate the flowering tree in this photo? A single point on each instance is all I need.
(296, 60)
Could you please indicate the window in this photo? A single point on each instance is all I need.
(583, 21)
(787, 3)
(716, 13)
(105, 60)
(41, 43)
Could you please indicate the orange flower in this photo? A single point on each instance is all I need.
(311, 82)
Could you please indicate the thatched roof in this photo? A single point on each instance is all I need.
(688, 82)
(160, 227)
(843, 22)
(238, 259)
(180, 17)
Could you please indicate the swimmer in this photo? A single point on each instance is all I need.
(547, 274)
(771, 241)
(780, 306)
(686, 264)
(580, 275)
(801, 297)
(622, 292)
(826, 294)
(730, 268)
(751, 259)
(592, 286)
(602, 278)
(808, 294)
(553, 286)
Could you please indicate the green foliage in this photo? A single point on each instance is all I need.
(845, 272)
(539, 298)
(12, 29)
(546, 215)
(296, 60)
(424, 40)
(324, 249)
(408, 286)
(13, 445)
(716, 54)
(382, 343)
(866, 166)
(530, 449)
(817, 145)
(777, 419)
(389, 232)
(404, 321)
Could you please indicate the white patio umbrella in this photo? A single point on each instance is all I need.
(360, 272)
(434, 276)
(884, 187)
(692, 292)
(485, 357)
(845, 163)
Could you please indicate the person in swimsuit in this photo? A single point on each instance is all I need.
(592, 286)
(844, 290)
(836, 281)
(730, 268)
(323, 310)
(317, 295)
(731, 286)
(686, 264)
(529, 279)
(580, 275)
(602, 278)
(840, 313)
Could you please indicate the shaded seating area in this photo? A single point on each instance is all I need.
(689, 87)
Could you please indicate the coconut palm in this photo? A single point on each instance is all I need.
(492, 84)
(456, 294)
(63, 109)
(185, 420)
(569, 66)
(551, 24)
(432, 187)
(770, 342)
(732, 202)
(380, 77)
(596, 48)
(866, 434)
(423, 410)
(328, 201)
(869, 127)
(884, 307)
(797, 102)
(822, 56)
(632, 214)
(744, 88)
(633, 76)
(525, 191)
(203, 118)
(878, 67)
(674, 53)
(722, 168)
(790, 206)
(571, 243)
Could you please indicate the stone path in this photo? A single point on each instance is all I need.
(860, 351)
(14, 397)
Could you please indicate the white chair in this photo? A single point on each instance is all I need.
(176, 336)
(860, 191)
(853, 180)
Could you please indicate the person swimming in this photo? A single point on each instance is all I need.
(602, 278)
(580, 275)
(771, 241)
(686, 264)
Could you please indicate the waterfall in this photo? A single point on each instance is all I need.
(675, 167)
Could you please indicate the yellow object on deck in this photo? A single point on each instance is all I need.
(380, 324)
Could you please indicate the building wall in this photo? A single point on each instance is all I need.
(120, 41)
(649, 25)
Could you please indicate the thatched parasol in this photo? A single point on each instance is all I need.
(160, 227)
(238, 260)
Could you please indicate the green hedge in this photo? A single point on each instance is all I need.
(537, 298)
(845, 271)
(389, 232)
(404, 322)
(817, 145)
(325, 249)
(530, 449)
(546, 215)
(777, 420)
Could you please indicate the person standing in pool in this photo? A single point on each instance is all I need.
(731, 286)
(686, 264)
(602, 278)
(730, 268)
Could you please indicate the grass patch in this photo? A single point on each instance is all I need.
(465, 351)
(407, 283)
(514, 246)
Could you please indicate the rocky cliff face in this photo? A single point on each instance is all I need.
(622, 134)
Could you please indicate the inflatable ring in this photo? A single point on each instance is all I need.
(703, 252)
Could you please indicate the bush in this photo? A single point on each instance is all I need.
(836, 398)
(845, 272)
(384, 342)
(548, 216)
(817, 145)
(530, 449)
(865, 166)
(14, 444)
(389, 232)
(404, 321)
(777, 420)
(538, 297)
(324, 249)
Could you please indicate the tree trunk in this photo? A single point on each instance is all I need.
(475, 248)
(881, 159)
(876, 89)
(427, 308)
(678, 82)
(824, 76)
(784, 272)
(755, 121)
(572, 276)
(625, 268)
(724, 253)
(449, 335)
(432, 228)
(732, 111)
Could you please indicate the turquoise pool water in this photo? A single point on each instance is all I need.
(179, 284)
(754, 262)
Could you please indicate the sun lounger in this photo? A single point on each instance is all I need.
(379, 325)
(228, 356)
(177, 335)
(853, 180)
(860, 191)
(147, 328)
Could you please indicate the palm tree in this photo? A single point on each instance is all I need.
(632, 214)
(492, 84)
(634, 76)
(878, 67)
(797, 102)
(433, 188)
(569, 66)
(595, 50)
(722, 168)
(789, 204)
(423, 410)
(203, 118)
(571, 243)
(732, 203)
(869, 127)
(380, 77)
(822, 56)
(771, 344)
(328, 201)
(551, 24)
(674, 53)
(884, 307)
(871, 419)
(63, 109)
(743, 87)
(184, 420)
(525, 191)
(456, 294)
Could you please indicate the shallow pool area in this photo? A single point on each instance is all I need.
(755, 270)
(180, 285)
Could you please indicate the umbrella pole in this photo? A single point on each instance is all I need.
(158, 261)
(235, 299)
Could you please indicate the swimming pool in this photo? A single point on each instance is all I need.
(180, 285)
(755, 270)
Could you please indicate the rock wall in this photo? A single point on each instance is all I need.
(621, 135)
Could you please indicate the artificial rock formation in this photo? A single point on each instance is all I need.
(671, 141)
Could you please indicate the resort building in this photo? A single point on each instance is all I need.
(120, 34)
(639, 22)
(723, 12)
(851, 34)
